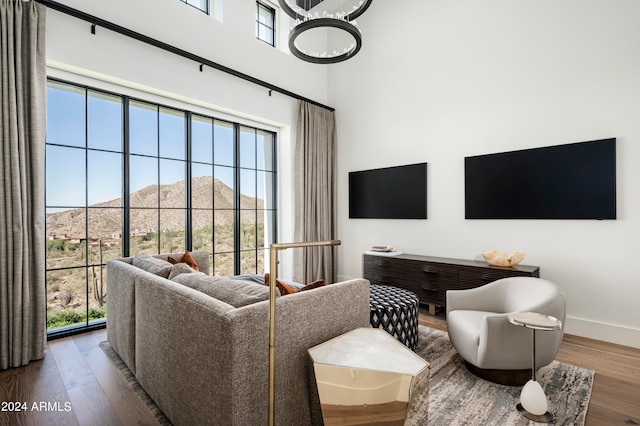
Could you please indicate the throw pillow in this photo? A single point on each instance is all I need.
(151, 264)
(287, 289)
(185, 258)
(315, 284)
(282, 287)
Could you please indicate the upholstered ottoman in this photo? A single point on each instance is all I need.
(395, 310)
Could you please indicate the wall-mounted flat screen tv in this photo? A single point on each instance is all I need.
(389, 193)
(572, 181)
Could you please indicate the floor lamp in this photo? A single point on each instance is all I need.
(272, 314)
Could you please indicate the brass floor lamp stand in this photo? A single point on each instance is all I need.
(273, 256)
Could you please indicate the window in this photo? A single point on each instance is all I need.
(203, 5)
(126, 176)
(266, 24)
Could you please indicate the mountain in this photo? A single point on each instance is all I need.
(105, 219)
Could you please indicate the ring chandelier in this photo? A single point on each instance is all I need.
(343, 20)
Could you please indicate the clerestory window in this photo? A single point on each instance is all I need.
(266, 23)
(203, 5)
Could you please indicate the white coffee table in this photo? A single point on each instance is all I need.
(367, 376)
(533, 401)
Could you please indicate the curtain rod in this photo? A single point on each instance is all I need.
(94, 20)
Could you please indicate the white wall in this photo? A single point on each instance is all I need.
(114, 62)
(439, 80)
(435, 81)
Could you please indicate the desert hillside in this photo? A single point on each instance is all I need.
(105, 220)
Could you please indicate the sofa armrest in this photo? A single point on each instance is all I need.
(303, 320)
(121, 304)
(489, 297)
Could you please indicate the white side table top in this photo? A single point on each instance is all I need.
(535, 321)
(369, 349)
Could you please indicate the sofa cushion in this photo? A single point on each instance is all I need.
(149, 263)
(185, 258)
(259, 279)
(180, 268)
(234, 292)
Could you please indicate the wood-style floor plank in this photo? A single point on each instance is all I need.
(40, 386)
(132, 411)
(76, 371)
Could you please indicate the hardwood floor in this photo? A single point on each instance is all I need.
(76, 384)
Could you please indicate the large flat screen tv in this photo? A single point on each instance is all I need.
(389, 193)
(572, 181)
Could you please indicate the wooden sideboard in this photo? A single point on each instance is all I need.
(431, 277)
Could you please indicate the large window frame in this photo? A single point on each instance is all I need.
(240, 159)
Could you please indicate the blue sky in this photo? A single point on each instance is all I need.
(94, 121)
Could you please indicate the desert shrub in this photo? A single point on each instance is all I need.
(62, 318)
(97, 313)
(66, 296)
(69, 317)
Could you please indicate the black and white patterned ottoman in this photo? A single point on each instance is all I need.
(395, 310)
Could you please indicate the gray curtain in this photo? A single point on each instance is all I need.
(315, 206)
(22, 141)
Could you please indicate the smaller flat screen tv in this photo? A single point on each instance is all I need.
(389, 193)
(572, 181)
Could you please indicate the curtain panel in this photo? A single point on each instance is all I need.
(22, 216)
(315, 192)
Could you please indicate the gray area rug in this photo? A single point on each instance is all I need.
(457, 397)
(133, 382)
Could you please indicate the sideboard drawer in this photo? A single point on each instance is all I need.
(431, 276)
(476, 277)
(383, 264)
(430, 281)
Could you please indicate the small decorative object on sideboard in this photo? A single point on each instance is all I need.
(498, 258)
(383, 251)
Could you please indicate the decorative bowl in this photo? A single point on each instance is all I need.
(498, 258)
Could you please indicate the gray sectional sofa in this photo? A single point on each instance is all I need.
(204, 361)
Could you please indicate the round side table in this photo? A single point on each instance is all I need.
(533, 401)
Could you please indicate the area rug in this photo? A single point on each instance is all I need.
(457, 397)
(133, 382)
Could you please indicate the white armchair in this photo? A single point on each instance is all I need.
(481, 333)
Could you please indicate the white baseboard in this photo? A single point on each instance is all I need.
(611, 333)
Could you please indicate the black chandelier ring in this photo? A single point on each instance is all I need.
(350, 17)
(325, 22)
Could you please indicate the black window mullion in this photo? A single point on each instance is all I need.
(188, 176)
(255, 191)
(86, 204)
(126, 187)
(158, 235)
(274, 186)
(237, 242)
